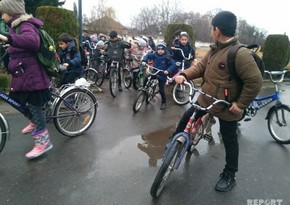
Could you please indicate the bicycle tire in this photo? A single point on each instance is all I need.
(139, 101)
(151, 90)
(276, 130)
(113, 81)
(77, 122)
(127, 78)
(3, 135)
(91, 75)
(166, 169)
(101, 74)
(180, 93)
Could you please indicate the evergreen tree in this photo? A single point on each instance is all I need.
(32, 5)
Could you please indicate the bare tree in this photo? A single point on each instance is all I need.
(153, 20)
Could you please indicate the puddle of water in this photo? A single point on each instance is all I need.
(138, 152)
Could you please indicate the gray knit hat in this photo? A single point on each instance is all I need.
(12, 7)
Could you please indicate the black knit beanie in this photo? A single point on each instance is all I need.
(226, 21)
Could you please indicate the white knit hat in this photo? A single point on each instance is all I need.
(12, 7)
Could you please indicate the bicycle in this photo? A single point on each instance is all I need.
(73, 110)
(180, 92)
(278, 116)
(96, 71)
(148, 92)
(184, 141)
(133, 76)
(114, 77)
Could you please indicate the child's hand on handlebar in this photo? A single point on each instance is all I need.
(166, 72)
(235, 108)
(180, 79)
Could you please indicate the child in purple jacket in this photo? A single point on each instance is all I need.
(30, 82)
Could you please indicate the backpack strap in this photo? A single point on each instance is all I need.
(231, 60)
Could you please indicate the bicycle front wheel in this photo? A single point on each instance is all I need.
(278, 124)
(166, 169)
(75, 112)
(139, 101)
(127, 78)
(3, 135)
(113, 82)
(101, 74)
(91, 75)
(180, 93)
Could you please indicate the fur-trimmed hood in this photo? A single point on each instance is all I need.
(17, 20)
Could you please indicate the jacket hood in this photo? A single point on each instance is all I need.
(26, 17)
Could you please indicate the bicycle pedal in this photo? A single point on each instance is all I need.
(208, 137)
(247, 119)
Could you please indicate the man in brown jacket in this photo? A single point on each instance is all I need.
(217, 79)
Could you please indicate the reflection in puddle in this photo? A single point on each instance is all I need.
(126, 156)
(154, 142)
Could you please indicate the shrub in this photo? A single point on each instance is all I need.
(4, 81)
(276, 52)
(57, 21)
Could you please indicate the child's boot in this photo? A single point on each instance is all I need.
(41, 144)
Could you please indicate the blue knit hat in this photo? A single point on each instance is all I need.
(161, 45)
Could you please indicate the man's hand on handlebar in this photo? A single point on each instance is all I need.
(180, 79)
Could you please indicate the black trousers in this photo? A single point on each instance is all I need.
(228, 130)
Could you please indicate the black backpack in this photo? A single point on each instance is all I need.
(115, 51)
(232, 56)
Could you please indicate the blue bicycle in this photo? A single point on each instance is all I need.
(278, 115)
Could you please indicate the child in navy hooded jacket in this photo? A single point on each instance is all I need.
(162, 60)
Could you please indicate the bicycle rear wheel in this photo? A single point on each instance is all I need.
(113, 82)
(75, 112)
(139, 101)
(91, 75)
(279, 124)
(3, 135)
(166, 169)
(127, 78)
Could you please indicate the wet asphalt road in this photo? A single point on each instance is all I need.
(116, 161)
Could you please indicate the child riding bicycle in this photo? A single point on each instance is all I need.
(162, 60)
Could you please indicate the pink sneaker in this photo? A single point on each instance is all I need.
(29, 128)
(38, 150)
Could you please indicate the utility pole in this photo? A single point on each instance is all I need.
(80, 15)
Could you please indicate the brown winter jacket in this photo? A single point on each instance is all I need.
(216, 76)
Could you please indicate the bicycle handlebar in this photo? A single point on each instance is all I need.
(216, 101)
(149, 68)
(277, 73)
(93, 47)
(179, 49)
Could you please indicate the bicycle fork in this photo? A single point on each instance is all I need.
(183, 138)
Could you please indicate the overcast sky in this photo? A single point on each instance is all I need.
(268, 15)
